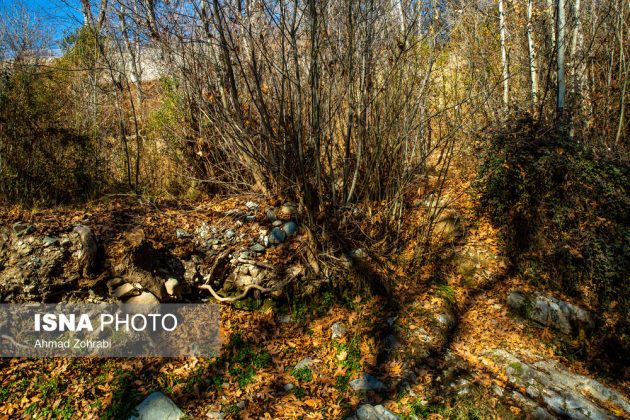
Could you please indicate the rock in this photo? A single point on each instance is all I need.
(288, 387)
(181, 233)
(251, 205)
(358, 253)
(446, 320)
(172, 288)
(157, 406)
(21, 229)
(367, 382)
(49, 240)
(287, 211)
(88, 254)
(307, 362)
(290, 228)
(229, 234)
(125, 290)
(551, 312)
(338, 330)
(257, 248)
(277, 236)
(243, 281)
(277, 223)
(250, 218)
(368, 412)
(516, 301)
(565, 394)
(203, 231)
(144, 298)
(271, 216)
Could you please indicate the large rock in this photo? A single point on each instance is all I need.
(157, 406)
(564, 394)
(551, 312)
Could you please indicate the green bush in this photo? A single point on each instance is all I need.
(563, 211)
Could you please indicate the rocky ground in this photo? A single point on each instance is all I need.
(461, 337)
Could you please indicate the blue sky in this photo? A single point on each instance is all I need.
(58, 17)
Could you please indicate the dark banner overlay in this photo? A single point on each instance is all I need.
(99, 330)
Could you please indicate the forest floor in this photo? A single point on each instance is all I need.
(442, 344)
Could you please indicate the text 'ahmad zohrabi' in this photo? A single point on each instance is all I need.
(50, 322)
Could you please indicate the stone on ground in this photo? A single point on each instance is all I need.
(157, 406)
(367, 382)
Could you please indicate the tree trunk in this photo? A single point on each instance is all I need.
(560, 38)
(533, 73)
(504, 58)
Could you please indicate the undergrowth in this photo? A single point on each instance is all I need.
(563, 211)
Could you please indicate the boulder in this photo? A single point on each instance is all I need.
(551, 312)
(564, 393)
(157, 406)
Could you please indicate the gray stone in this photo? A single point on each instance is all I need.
(49, 240)
(181, 233)
(564, 393)
(247, 255)
(277, 236)
(230, 234)
(124, 290)
(516, 300)
(277, 223)
(445, 319)
(157, 406)
(250, 218)
(338, 330)
(288, 387)
(271, 215)
(203, 231)
(359, 254)
(257, 248)
(367, 382)
(172, 287)
(251, 205)
(307, 362)
(144, 298)
(378, 412)
(21, 229)
(551, 312)
(290, 228)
